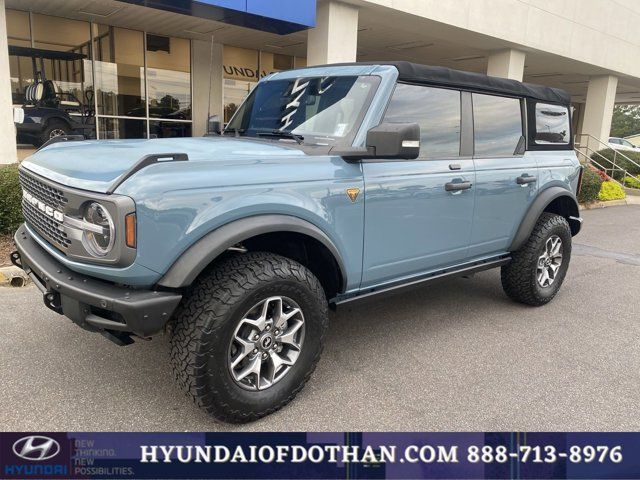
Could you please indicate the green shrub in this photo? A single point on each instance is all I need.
(591, 183)
(607, 161)
(631, 182)
(611, 191)
(10, 199)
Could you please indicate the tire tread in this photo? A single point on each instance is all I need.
(205, 311)
(516, 277)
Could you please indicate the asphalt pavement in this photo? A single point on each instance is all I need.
(457, 355)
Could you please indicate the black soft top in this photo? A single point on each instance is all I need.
(477, 82)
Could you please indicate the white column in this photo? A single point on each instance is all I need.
(8, 148)
(506, 64)
(335, 36)
(206, 71)
(601, 98)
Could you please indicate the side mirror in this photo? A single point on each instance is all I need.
(395, 140)
(387, 140)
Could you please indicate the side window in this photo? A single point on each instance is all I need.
(497, 123)
(436, 110)
(552, 124)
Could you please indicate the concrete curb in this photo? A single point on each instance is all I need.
(13, 277)
(610, 203)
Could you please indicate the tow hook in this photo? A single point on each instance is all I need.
(52, 300)
(15, 259)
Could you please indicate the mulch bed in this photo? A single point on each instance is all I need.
(6, 247)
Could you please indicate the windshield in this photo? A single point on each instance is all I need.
(313, 110)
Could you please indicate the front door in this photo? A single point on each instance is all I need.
(418, 213)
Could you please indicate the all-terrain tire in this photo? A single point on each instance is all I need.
(520, 276)
(205, 322)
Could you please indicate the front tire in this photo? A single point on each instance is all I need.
(536, 272)
(248, 335)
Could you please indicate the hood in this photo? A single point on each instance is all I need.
(96, 164)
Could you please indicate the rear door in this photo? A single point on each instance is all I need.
(418, 213)
(506, 177)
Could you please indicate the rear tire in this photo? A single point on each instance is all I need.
(222, 313)
(536, 272)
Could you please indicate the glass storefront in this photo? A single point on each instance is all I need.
(142, 86)
(111, 82)
(242, 68)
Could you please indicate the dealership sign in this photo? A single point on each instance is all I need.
(272, 455)
(275, 16)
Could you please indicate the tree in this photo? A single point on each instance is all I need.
(625, 120)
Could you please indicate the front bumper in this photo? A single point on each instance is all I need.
(91, 303)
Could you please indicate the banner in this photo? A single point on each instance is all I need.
(320, 455)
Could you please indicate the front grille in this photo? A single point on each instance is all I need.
(51, 196)
(51, 229)
(46, 226)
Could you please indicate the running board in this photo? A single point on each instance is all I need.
(459, 271)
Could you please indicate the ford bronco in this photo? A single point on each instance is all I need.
(328, 185)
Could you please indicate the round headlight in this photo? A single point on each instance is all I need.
(99, 234)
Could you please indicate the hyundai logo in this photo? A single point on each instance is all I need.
(36, 447)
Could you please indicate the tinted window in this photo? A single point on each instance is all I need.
(552, 124)
(436, 110)
(497, 123)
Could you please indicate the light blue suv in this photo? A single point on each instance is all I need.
(330, 184)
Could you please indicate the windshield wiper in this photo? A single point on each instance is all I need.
(282, 134)
(236, 131)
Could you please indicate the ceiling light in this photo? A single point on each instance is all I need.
(409, 45)
(542, 75)
(462, 59)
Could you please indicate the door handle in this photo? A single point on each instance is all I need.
(457, 186)
(526, 180)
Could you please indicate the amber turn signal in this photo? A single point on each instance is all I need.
(130, 230)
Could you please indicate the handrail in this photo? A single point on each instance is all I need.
(589, 153)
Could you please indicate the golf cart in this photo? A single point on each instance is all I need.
(48, 111)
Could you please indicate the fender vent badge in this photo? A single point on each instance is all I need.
(353, 193)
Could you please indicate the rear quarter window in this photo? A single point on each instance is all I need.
(552, 125)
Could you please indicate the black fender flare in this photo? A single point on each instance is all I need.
(196, 258)
(536, 209)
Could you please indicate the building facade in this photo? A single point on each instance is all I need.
(158, 68)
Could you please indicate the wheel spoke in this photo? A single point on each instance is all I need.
(246, 347)
(284, 317)
(253, 368)
(276, 362)
(544, 280)
(289, 336)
